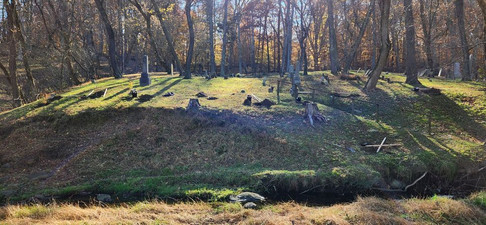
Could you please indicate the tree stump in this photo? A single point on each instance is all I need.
(312, 113)
(193, 106)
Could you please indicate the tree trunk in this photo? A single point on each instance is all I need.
(12, 53)
(279, 41)
(24, 48)
(410, 61)
(148, 23)
(111, 38)
(354, 49)
(482, 5)
(333, 48)
(168, 37)
(426, 29)
(190, 51)
(212, 62)
(225, 39)
(466, 74)
(240, 47)
(385, 44)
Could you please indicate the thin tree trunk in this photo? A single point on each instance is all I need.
(279, 42)
(24, 48)
(212, 62)
(191, 39)
(333, 48)
(410, 61)
(111, 38)
(482, 5)
(148, 24)
(240, 47)
(168, 37)
(12, 53)
(466, 75)
(385, 45)
(427, 36)
(225, 39)
(354, 48)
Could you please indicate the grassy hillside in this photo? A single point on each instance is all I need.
(435, 210)
(134, 149)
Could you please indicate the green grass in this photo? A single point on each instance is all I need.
(154, 149)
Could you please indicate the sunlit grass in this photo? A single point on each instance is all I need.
(147, 143)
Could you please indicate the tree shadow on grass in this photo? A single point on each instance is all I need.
(161, 91)
(448, 112)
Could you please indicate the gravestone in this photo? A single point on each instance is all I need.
(145, 78)
(457, 70)
(472, 66)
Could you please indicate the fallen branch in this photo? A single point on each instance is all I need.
(385, 145)
(469, 174)
(416, 181)
(256, 98)
(104, 94)
(402, 190)
(381, 145)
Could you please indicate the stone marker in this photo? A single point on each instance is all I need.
(145, 78)
(472, 66)
(171, 69)
(457, 70)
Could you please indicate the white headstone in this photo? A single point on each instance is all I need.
(457, 70)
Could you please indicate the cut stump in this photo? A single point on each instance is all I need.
(312, 113)
(193, 106)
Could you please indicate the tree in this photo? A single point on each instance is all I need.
(482, 5)
(190, 50)
(357, 42)
(459, 6)
(210, 16)
(410, 61)
(427, 23)
(12, 54)
(111, 38)
(385, 44)
(317, 42)
(148, 24)
(333, 47)
(168, 35)
(304, 18)
(225, 39)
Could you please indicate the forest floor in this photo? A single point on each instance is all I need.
(75, 148)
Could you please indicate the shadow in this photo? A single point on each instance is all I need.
(163, 90)
(448, 112)
(116, 94)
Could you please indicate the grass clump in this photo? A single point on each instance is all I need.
(479, 199)
(207, 194)
(33, 211)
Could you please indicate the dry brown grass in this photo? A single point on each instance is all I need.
(363, 211)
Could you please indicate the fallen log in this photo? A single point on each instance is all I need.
(349, 77)
(384, 145)
(338, 95)
(429, 91)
